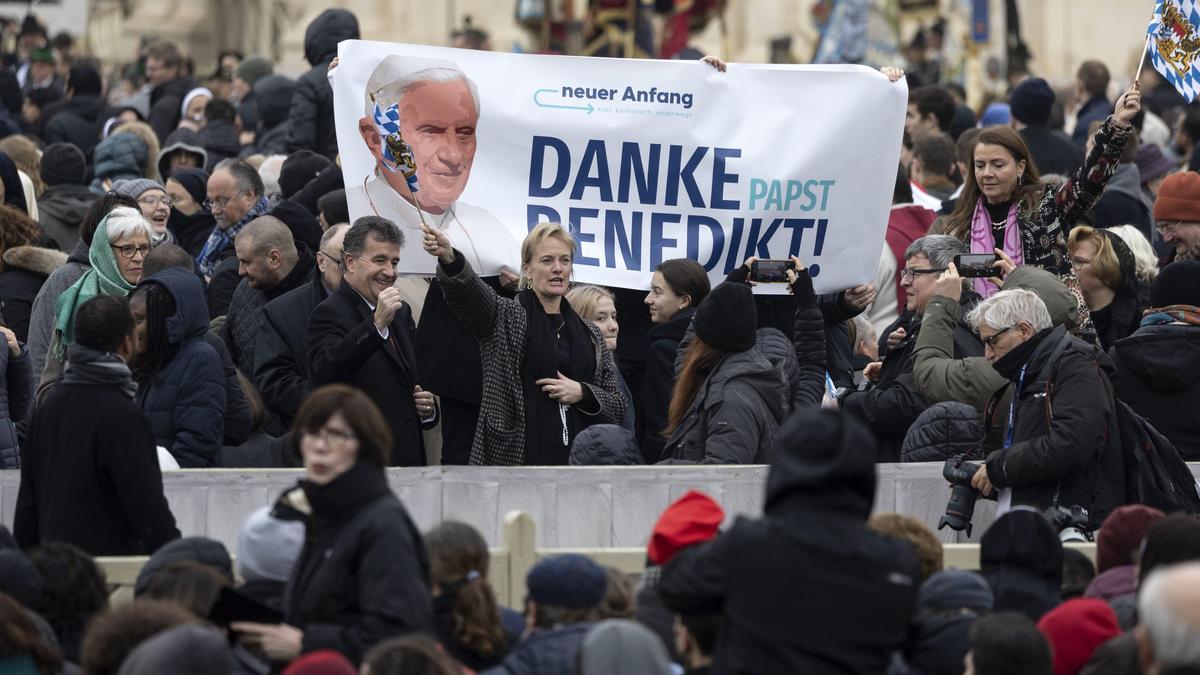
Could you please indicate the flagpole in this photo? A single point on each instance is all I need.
(1145, 49)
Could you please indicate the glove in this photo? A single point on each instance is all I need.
(802, 288)
(740, 275)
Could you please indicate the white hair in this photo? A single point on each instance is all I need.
(124, 222)
(865, 331)
(393, 91)
(1144, 258)
(269, 172)
(1008, 308)
(1163, 608)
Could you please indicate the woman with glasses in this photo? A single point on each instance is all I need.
(119, 247)
(1107, 271)
(154, 203)
(363, 574)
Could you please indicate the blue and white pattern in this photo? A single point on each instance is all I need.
(397, 153)
(1174, 35)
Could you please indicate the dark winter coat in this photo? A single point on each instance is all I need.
(891, 406)
(245, 311)
(1021, 558)
(1123, 315)
(223, 283)
(662, 345)
(947, 429)
(363, 574)
(191, 232)
(545, 652)
(238, 418)
(1060, 445)
(1096, 109)
(185, 401)
(166, 105)
(281, 350)
(79, 123)
(220, 141)
(1122, 202)
(1119, 656)
(93, 482)
(1158, 375)
(41, 316)
(16, 401)
(310, 126)
(273, 94)
(811, 549)
(1053, 151)
(26, 269)
(61, 209)
(344, 346)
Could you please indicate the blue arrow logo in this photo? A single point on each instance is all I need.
(589, 107)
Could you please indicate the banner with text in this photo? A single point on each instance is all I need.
(644, 160)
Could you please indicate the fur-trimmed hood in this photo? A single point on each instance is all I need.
(34, 259)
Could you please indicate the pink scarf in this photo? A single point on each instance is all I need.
(983, 241)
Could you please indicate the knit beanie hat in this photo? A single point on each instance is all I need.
(1122, 533)
(268, 547)
(136, 187)
(1178, 198)
(253, 69)
(19, 578)
(605, 445)
(571, 580)
(1031, 102)
(1177, 284)
(694, 518)
(183, 650)
(955, 589)
(63, 164)
(727, 319)
(195, 181)
(1075, 629)
(323, 662)
(298, 169)
(1151, 162)
(199, 549)
(1172, 540)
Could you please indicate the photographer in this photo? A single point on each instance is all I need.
(1057, 428)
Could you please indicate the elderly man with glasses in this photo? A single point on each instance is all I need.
(893, 401)
(235, 197)
(1177, 214)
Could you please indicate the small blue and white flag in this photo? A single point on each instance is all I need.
(397, 153)
(1174, 35)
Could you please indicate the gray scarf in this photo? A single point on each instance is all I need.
(88, 366)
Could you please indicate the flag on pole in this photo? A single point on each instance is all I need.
(397, 153)
(1174, 44)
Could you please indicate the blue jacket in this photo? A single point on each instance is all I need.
(545, 652)
(185, 402)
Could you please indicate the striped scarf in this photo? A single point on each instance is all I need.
(220, 239)
(1188, 314)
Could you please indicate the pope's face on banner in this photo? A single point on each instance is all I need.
(438, 120)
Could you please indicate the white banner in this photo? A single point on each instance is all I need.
(644, 160)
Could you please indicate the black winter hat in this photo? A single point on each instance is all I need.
(298, 169)
(727, 319)
(1177, 284)
(63, 164)
(571, 580)
(195, 181)
(199, 549)
(605, 445)
(825, 459)
(19, 578)
(1032, 101)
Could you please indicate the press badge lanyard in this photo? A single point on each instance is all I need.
(1012, 407)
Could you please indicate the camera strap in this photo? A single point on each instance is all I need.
(1012, 408)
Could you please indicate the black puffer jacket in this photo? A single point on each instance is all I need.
(811, 550)
(310, 126)
(16, 399)
(947, 429)
(1158, 375)
(26, 269)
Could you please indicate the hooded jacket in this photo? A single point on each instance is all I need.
(61, 210)
(810, 550)
(274, 96)
(185, 401)
(310, 126)
(26, 269)
(1123, 315)
(1021, 558)
(121, 156)
(1158, 375)
(181, 139)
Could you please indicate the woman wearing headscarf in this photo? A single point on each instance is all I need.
(547, 373)
(1107, 274)
(118, 249)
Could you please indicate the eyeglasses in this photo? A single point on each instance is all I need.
(153, 202)
(991, 339)
(1164, 228)
(908, 273)
(334, 438)
(129, 250)
(223, 202)
(331, 258)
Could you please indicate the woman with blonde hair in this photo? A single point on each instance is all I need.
(1107, 273)
(547, 373)
(598, 305)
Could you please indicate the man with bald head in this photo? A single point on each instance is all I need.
(270, 263)
(281, 345)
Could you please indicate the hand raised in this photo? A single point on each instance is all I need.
(437, 244)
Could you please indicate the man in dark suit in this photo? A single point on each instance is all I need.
(362, 335)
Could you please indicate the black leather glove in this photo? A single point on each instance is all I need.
(802, 288)
(740, 275)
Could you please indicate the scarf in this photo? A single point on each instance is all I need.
(543, 415)
(1188, 314)
(220, 239)
(104, 278)
(983, 241)
(88, 366)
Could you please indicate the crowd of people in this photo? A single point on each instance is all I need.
(182, 286)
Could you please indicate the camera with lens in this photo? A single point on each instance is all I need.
(1070, 522)
(961, 507)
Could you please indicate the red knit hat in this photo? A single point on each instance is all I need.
(324, 662)
(1178, 198)
(1075, 629)
(1122, 533)
(692, 519)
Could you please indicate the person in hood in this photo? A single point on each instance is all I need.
(948, 604)
(619, 646)
(267, 549)
(1123, 201)
(818, 496)
(78, 122)
(169, 85)
(1117, 546)
(219, 137)
(182, 150)
(1021, 558)
(310, 124)
(363, 573)
(181, 383)
(89, 469)
(118, 157)
(1075, 629)
(1158, 366)
(677, 288)
(66, 201)
(190, 221)
(1107, 275)
(273, 100)
(1049, 458)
